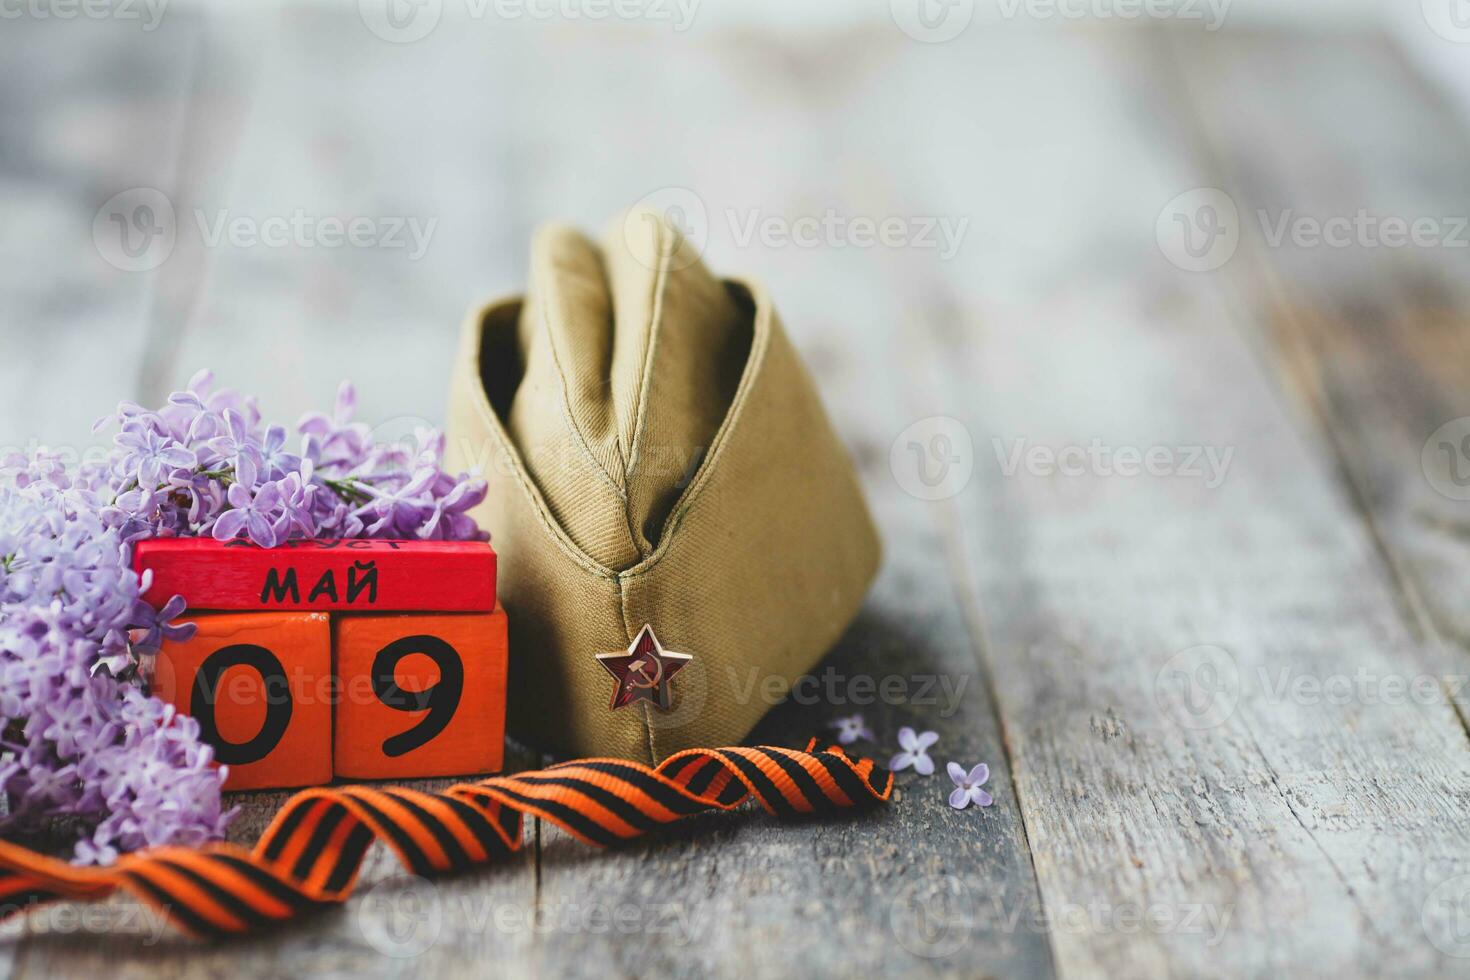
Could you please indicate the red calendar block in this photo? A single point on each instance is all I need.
(422, 695)
(351, 576)
(261, 687)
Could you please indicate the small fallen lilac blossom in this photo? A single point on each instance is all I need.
(915, 751)
(852, 728)
(968, 786)
(83, 747)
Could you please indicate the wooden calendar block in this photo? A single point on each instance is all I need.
(354, 575)
(261, 687)
(422, 695)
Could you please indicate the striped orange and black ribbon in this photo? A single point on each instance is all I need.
(311, 853)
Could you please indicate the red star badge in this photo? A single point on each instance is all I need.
(644, 672)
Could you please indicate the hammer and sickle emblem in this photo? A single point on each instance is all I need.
(647, 670)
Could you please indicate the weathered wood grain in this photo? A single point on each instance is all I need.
(88, 109)
(1297, 834)
(396, 925)
(915, 888)
(1162, 845)
(409, 141)
(708, 878)
(270, 128)
(1371, 338)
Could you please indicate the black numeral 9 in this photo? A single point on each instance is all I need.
(440, 700)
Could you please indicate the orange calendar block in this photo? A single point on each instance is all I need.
(422, 694)
(261, 687)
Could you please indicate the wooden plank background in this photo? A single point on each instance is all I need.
(1135, 656)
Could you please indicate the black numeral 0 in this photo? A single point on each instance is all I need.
(277, 702)
(441, 700)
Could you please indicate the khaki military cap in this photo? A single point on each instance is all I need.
(678, 527)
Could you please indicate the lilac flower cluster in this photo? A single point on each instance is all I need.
(205, 464)
(81, 743)
(56, 550)
(84, 746)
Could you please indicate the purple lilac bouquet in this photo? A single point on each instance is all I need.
(81, 743)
